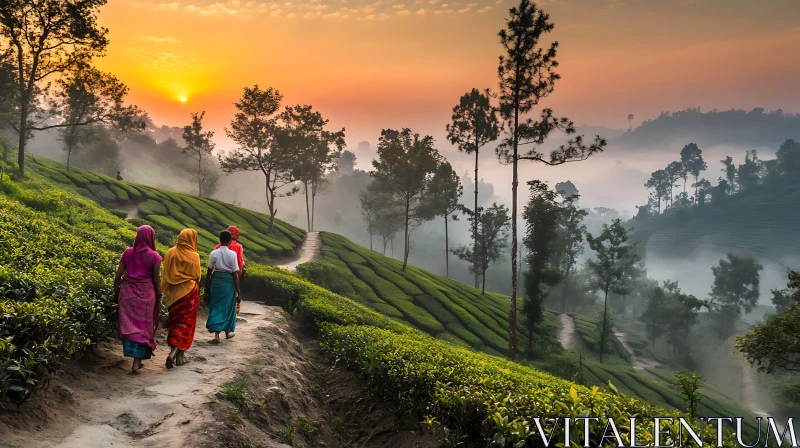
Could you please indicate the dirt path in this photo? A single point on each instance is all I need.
(309, 251)
(566, 332)
(637, 362)
(159, 407)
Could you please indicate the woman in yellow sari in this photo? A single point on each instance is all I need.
(181, 287)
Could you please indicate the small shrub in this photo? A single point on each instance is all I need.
(118, 213)
(152, 207)
(235, 391)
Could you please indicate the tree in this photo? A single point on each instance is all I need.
(568, 190)
(382, 211)
(674, 172)
(527, 76)
(346, 163)
(690, 389)
(630, 122)
(404, 165)
(441, 199)
(614, 253)
(693, 163)
(781, 299)
(46, 38)
(749, 173)
(316, 150)
(474, 124)
(654, 314)
(253, 129)
(198, 147)
(788, 157)
(542, 216)
(86, 97)
(702, 191)
(735, 290)
(569, 242)
(730, 173)
(492, 239)
(774, 345)
(658, 182)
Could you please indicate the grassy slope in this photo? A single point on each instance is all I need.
(459, 314)
(442, 307)
(170, 212)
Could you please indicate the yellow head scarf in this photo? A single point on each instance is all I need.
(181, 268)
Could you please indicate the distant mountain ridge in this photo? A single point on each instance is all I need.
(738, 127)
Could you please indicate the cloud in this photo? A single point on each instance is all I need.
(467, 8)
(483, 10)
(400, 6)
(421, 12)
(159, 39)
(403, 12)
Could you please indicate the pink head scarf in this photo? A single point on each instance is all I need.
(140, 259)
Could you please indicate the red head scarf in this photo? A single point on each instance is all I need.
(234, 232)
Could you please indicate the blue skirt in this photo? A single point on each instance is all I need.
(136, 349)
(222, 310)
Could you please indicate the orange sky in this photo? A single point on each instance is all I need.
(369, 65)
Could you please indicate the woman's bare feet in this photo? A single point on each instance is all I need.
(216, 338)
(171, 357)
(229, 335)
(180, 359)
(137, 365)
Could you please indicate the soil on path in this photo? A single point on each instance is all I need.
(99, 403)
(637, 362)
(309, 251)
(566, 332)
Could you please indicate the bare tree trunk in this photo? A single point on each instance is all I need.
(475, 223)
(308, 211)
(391, 241)
(200, 175)
(313, 200)
(384, 245)
(270, 204)
(605, 322)
(23, 130)
(69, 154)
(446, 249)
(405, 239)
(512, 318)
(483, 282)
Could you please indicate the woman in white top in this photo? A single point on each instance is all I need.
(222, 287)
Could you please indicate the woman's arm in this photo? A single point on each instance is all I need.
(236, 282)
(157, 279)
(207, 286)
(118, 279)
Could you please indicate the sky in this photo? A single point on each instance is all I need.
(368, 65)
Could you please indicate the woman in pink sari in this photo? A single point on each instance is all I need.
(137, 286)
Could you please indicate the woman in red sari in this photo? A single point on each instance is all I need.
(237, 247)
(181, 286)
(137, 286)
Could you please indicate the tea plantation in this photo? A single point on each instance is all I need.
(58, 252)
(437, 305)
(170, 212)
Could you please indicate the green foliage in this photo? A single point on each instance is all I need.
(690, 388)
(122, 214)
(152, 207)
(772, 345)
(235, 391)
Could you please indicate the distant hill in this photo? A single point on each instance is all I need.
(732, 127)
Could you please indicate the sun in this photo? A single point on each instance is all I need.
(183, 99)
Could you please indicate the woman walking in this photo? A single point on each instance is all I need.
(237, 247)
(137, 286)
(181, 286)
(222, 285)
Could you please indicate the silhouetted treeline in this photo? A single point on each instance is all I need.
(735, 126)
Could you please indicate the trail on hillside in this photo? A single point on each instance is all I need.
(750, 393)
(158, 407)
(309, 251)
(566, 332)
(637, 362)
